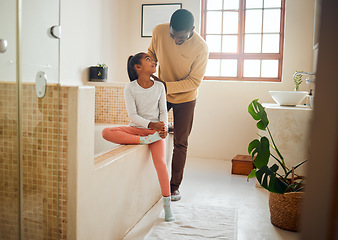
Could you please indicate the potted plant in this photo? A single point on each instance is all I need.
(285, 188)
(297, 79)
(98, 73)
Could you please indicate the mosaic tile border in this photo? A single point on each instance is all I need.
(110, 106)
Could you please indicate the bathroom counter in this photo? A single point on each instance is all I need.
(277, 106)
(289, 128)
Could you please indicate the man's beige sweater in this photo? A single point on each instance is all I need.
(181, 67)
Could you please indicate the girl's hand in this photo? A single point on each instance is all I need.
(163, 134)
(158, 126)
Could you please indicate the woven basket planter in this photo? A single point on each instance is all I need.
(285, 210)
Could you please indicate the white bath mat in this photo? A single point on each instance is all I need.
(196, 222)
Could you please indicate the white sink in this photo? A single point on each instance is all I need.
(288, 98)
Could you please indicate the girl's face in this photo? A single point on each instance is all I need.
(147, 65)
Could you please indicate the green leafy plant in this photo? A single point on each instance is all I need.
(259, 149)
(297, 79)
(101, 65)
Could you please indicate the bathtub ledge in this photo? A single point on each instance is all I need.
(113, 155)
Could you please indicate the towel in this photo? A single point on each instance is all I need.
(196, 222)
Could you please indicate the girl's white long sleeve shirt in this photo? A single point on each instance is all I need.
(145, 105)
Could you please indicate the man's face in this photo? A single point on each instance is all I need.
(180, 36)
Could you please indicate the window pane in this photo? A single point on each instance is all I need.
(230, 22)
(229, 44)
(231, 4)
(252, 68)
(270, 43)
(270, 68)
(271, 21)
(260, 41)
(253, 21)
(214, 5)
(252, 43)
(214, 43)
(272, 3)
(254, 3)
(213, 67)
(214, 20)
(229, 68)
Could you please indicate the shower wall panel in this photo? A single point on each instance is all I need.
(44, 139)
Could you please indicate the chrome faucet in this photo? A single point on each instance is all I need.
(307, 80)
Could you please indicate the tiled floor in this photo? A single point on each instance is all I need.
(211, 180)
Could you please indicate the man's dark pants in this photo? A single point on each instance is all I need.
(183, 118)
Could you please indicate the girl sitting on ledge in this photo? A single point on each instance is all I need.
(146, 106)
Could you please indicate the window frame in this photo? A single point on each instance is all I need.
(240, 55)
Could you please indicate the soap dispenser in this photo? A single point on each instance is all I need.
(309, 99)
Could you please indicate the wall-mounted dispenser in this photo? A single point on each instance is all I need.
(40, 84)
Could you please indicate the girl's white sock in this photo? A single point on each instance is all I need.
(168, 215)
(150, 138)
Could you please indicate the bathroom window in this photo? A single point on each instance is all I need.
(245, 39)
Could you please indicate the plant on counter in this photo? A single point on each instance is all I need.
(297, 79)
(268, 176)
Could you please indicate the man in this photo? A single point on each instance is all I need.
(182, 55)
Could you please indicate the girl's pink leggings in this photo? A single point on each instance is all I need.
(131, 135)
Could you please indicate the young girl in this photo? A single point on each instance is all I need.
(146, 106)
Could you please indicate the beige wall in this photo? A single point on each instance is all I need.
(103, 31)
(92, 32)
(222, 127)
(135, 42)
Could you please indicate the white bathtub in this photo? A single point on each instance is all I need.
(126, 185)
